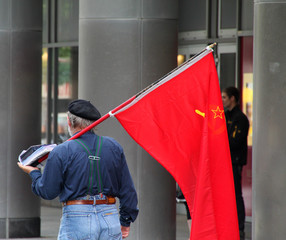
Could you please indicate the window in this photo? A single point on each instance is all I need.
(227, 70)
(44, 95)
(68, 15)
(193, 19)
(67, 87)
(59, 66)
(227, 18)
(226, 65)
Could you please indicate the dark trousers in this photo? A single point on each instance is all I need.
(237, 170)
(188, 212)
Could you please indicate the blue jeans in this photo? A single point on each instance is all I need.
(98, 222)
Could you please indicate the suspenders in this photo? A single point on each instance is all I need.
(94, 166)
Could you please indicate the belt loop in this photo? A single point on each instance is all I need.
(94, 200)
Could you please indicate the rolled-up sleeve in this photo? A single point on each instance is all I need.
(128, 197)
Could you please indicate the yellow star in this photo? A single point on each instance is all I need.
(218, 112)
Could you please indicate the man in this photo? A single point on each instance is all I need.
(237, 128)
(87, 174)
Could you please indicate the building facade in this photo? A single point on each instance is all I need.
(54, 51)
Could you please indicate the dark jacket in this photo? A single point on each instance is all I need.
(237, 129)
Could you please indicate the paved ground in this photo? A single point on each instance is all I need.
(182, 232)
(50, 220)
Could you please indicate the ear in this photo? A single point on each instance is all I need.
(232, 98)
(68, 120)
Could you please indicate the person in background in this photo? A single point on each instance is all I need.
(88, 174)
(237, 129)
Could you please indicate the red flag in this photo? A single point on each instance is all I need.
(180, 122)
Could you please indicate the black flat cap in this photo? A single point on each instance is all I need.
(84, 109)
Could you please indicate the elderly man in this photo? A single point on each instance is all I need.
(88, 174)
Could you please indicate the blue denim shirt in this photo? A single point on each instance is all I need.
(69, 174)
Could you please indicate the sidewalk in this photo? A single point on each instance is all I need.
(182, 232)
(50, 221)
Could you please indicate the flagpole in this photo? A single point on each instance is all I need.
(103, 118)
(175, 69)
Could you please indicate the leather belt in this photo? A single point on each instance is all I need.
(108, 200)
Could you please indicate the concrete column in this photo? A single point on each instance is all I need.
(269, 151)
(20, 113)
(124, 46)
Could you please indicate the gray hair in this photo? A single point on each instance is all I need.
(78, 122)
